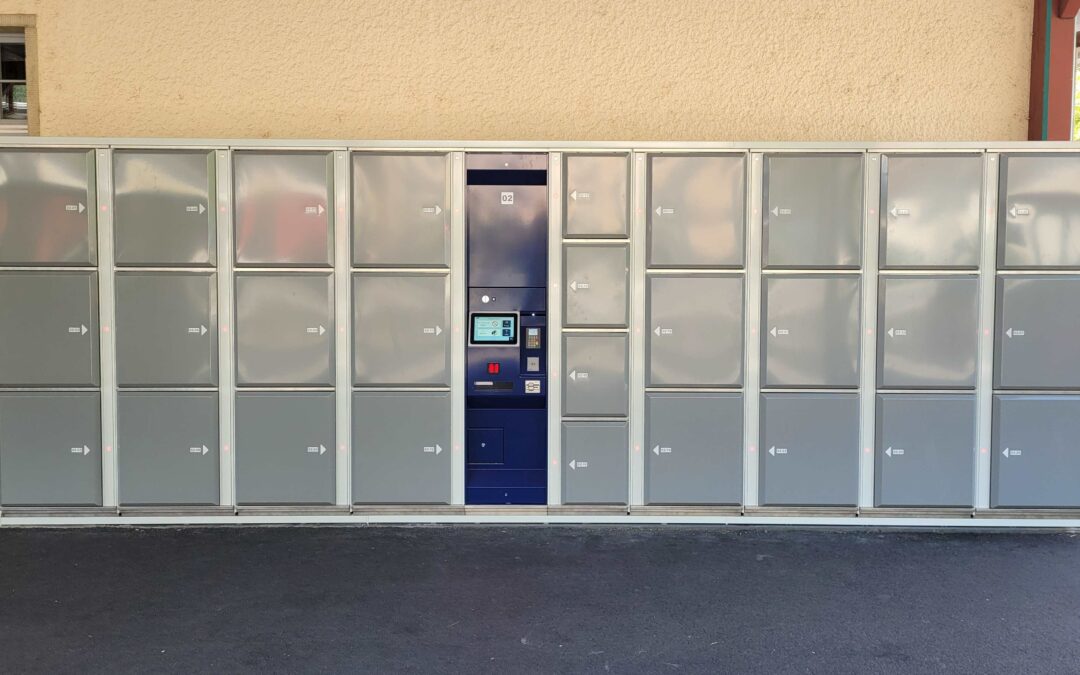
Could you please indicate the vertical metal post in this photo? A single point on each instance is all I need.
(555, 325)
(226, 331)
(868, 329)
(751, 337)
(457, 328)
(107, 321)
(341, 221)
(984, 385)
(638, 200)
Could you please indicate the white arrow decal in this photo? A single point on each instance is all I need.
(661, 450)
(894, 452)
(198, 449)
(75, 208)
(888, 451)
(436, 330)
(573, 195)
(319, 449)
(895, 211)
(197, 330)
(777, 451)
(84, 451)
(661, 211)
(772, 451)
(1009, 452)
(196, 208)
(1019, 211)
(573, 375)
(779, 331)
(433, 449)
(656, 450)
(575, 285)
(660, 330)
(573, 464)
(436, 210)
(314, 210)
(77, 330)
(316, 330)
(1005, 452)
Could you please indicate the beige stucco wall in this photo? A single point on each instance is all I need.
(543, 69)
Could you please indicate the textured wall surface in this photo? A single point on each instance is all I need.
(548, 69)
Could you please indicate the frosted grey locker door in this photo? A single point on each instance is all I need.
(595, 375)
(595, 463)
(695, 326)
(697, 210)
(48, 329)
(282, 203)
(50, 449)
(1035, 461)
(928, 332)
(694, 448)
(400, 329)
(166, 329)
(167, 447)
(48, 207)
(1038, 332)
(401, 210)
(401, 447)
(285, 448)
(163, 209)
(1039, 211)
(930, 208)
(925, 450)
(284, 329)
(813, 211)
(597, 202)
(810, 331)
(809, 449)
(595, 280)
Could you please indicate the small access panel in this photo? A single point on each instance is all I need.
(1035, 462)
(506, 351)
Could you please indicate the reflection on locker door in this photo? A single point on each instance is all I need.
(1038, 321)
(50, 449)
(595, 467)
(1039, 211)
(48, 208)
(596, 195)
(401, 447)
(595, 381)
(1035, 462)
(595, 285)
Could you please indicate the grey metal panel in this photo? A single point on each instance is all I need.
(1039, 211)
(925, 450)
(595, 375)
(47, 207)
(693, 445)
(1042, 467)
(401, 210)
(930, 206)
(595, 285)
(595, 462)
(1038, 325)
(49, 329)
(50, 449)
(810, 331)
(284, 329)
(283, 208)
(695, 330)
(166, 329)
(401, 447)
(285, 448)
(400, 324)
(167, 447)
(813, 211)
(928, 331)
(809, 449)
(163, 213)
(597, 195)
(696, 211)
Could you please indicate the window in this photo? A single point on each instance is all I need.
(14, 108)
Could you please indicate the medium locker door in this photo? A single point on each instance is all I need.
(595, 462)
(595, 285)
(1036, 460)
(1039, 211)
(1038, 321)
(597, 202)
(595, 377)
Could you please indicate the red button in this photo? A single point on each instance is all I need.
(493, 369)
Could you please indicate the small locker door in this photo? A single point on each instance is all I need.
(595, 463)
(596, 195)
(595, 379)
(1038, 321)
(595, 280)
(1039, 211)
(1035, 462)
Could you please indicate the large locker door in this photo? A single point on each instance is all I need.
(597, 202)
(595, 377)
(595, 462)
(1036, 459)
(1039, 211)
(1038, 321)
(595, 285)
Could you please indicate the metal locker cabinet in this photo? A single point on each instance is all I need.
(813, 210)
(284, 329)
(595, 281)
(401, 447)
(163, 207)
(1038, 321)
(401, 210)
(48, 207)
(283, 208)
(809, 449)
(1035, 460)
(285, 448)
(925, 450)
(595, 375)
(695, 330)
(930, 210)
(596, 196)
(50, 449)
(810, 331)
(167, 447)
(49, 329)
(697, 210)
(401, 329)
(595, 462)
(166, 329)
(693, 448)
(928, 332)
(1039, 211)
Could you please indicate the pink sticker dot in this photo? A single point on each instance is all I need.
(753, 448)
(983, 450)
(104, 208)
(105, 329)
(108, 448)
(866, 450)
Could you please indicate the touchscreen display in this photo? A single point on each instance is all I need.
(494, 328)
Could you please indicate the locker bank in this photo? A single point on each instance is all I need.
(271, 331)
